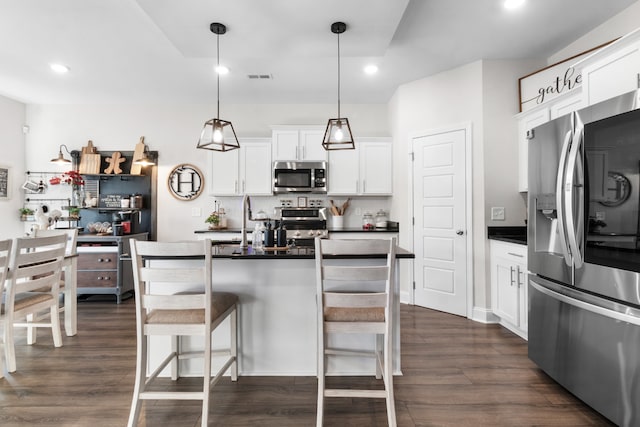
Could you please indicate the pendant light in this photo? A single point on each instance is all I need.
(218, 134)
(338, 134)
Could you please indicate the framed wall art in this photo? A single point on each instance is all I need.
(552, 81)
(5, 182)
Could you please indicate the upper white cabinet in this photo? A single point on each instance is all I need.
(526, 122)
(509, 285)
(367, 170)
(296, 143)
(615, 73)
(246, 170)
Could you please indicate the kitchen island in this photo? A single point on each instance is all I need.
(277, 314)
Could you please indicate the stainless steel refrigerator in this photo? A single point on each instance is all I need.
(584, 254)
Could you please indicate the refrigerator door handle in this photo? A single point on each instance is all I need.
(575, 222)
(560, 199)
(613, 314)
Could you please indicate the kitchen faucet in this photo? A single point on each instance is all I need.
(246, 207)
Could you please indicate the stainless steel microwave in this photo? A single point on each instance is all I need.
(299, 177)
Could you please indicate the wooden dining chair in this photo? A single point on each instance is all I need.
(68, 286)
(5, 256)
(179, 314)
(355, 297)
(33, 288)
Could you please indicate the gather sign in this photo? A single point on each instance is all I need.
(550, 82)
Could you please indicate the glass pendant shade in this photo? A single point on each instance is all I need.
(218, 135)
(338, 135)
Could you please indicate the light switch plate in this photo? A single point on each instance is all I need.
(497, 213)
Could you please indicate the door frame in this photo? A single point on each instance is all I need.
(468, 129)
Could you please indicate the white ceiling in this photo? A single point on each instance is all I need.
(128, 51)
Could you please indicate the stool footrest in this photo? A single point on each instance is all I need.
(354, 393)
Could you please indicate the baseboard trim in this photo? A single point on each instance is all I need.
(484, 315)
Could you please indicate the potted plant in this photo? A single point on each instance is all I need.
(74, 212)
(213, 220)
(24, 212)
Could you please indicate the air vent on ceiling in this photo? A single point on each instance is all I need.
(259, 76)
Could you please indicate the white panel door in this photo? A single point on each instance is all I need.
(439, 210)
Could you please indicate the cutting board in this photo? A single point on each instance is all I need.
(137, 154)
(89, 160)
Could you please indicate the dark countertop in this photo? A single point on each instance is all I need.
(361, 230)
(90, 237)
(233, 251)
(514, 234)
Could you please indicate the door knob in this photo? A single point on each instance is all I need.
(459, 232)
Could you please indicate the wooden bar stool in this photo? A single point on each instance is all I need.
(33, 289)
(349, 303)
(5, 256)
(178, 314)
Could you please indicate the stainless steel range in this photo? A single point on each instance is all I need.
(302, 224)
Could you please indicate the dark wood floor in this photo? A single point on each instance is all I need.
(456, 373)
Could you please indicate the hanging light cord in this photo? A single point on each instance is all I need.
(338, 75)
(218, 72)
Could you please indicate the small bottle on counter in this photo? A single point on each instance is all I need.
(256, 238)
(222, 218)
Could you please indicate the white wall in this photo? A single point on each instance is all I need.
(173, 130)
(435, 102)
(12, 118)
(485, 94)
(623, 23)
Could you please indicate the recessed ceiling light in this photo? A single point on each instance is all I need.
(221, 69)
(513, 4)
(59, 68)
(371, 69)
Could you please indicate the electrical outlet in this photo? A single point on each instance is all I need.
(497, 213)
(358, 212)
(600, 216)
(196, 212)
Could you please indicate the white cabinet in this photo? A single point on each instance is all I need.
(367, 170)
(613, 73)
(526, 122)
(298, 143)
(246, 170)
(509, 285)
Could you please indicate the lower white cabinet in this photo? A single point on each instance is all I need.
(509, 285)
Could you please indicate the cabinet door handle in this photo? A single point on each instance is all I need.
(235, 186)
(364, 186)
(244, 185)
(297, 153)
(304, 152)
(514, 254)
(511, 271)
(520, 275)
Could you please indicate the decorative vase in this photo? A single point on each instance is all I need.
(77, 196)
